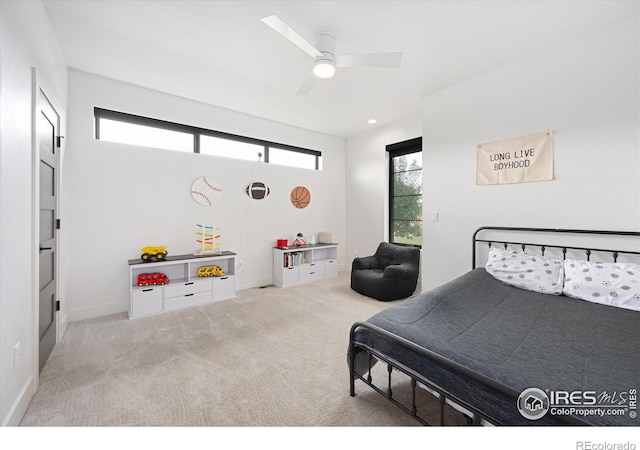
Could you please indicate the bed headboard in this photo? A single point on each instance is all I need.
(535, 236)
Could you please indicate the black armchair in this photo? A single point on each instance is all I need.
(390, 274)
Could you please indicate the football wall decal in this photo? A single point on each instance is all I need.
(257, 190)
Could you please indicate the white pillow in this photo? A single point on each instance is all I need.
(531, 272)
(615, 284)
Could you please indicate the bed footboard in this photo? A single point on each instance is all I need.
(365, 353)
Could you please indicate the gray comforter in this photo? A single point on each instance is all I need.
(519, 339)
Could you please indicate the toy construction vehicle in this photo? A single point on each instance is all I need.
(210, 271)
(159, 253)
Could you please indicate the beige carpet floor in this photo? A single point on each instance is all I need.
(270, 357)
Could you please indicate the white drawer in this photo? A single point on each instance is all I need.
(311, 272)
(313, 268)
(199, 298)
(331, 268)
(146, 301)
(224, 288)
(192, 287)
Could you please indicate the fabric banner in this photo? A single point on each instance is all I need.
(517, 160)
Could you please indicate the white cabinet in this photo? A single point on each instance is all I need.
(185, 287)
(224, 288)
(286, 276)
(331, 268)
(297, 265)
(146, 301)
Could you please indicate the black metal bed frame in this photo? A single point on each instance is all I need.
(477, 416)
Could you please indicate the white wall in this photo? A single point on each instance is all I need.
(123, 197)
(27, 42)
(587, 92)
(368, 184)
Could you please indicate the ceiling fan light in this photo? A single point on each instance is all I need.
(324, 69)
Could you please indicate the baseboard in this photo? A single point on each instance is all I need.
(19, 407)
(254, 283)
(63, 324)
(91, 312)
(108, 309)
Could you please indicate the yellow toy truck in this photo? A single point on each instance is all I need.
(210, 271)
(158, 252)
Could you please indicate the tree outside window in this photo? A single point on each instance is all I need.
(405, 193)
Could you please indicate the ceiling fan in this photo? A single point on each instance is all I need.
(323, 52)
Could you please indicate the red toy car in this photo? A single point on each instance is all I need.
(145, 279)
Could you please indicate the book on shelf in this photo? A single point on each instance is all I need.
(292, 259)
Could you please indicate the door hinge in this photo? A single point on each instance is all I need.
(59, 141)
(57, 224)
(57, 305)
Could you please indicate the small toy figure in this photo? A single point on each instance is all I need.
(299, 241)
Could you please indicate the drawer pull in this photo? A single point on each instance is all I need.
(224, 278)
(311, 265)
(311, 273)
(189, 295)
(187, 284)
(147, 290)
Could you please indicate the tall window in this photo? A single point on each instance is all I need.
(405, 192)
(127, 128)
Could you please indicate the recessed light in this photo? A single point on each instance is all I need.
(372, 121)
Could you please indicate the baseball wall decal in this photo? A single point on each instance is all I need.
(257, 190)
(206, 191)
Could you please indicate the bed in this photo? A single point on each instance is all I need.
(554, 352)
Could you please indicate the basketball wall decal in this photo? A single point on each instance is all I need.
(300, 197)
(257, 190)
(206, 191)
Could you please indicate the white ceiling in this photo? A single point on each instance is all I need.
(219, 52)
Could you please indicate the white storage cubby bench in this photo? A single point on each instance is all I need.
(297, 265)
(185, 287)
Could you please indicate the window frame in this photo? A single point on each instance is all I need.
(102, 113)
(395, 150)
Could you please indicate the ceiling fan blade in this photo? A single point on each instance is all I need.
(307, 85)
(278, 25)
(390, 60)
